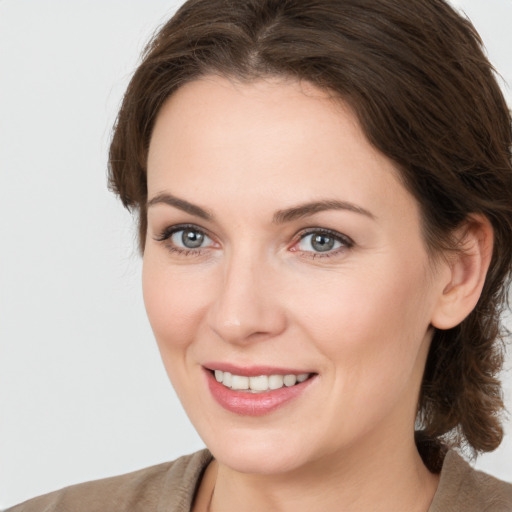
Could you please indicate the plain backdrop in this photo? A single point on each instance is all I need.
(83, 394)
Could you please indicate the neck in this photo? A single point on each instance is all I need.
(381, 478)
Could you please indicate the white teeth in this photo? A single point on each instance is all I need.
(226, 379)
(275, 381)
(260, 383)
(239, 382)
(290, 380)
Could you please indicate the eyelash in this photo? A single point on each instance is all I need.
(345, 241)
(167, 233)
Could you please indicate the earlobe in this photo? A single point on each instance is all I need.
(467, 269)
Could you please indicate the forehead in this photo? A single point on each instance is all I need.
(264, 115)
(272, 138)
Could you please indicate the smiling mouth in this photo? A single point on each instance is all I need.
(259, 383)
(260, 391)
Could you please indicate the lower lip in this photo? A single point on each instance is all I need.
(253, 404)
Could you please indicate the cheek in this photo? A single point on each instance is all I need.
(368, 318)
(370, 333)
(174, 302)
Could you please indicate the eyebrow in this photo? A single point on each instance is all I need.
(280, 216)
(304, 210)
(181, 204)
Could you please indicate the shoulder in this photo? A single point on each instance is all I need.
(464, 489)
(168, 486)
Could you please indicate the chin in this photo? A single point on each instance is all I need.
(262, 452)
(259, 462)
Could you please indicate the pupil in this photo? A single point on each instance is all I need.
(192, 239)
(322, 243)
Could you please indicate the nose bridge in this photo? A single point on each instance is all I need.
(246, 304)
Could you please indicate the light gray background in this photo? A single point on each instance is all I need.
(83, 393)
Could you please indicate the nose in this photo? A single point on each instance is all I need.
(246, 306)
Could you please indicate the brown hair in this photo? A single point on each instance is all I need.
(415, 74)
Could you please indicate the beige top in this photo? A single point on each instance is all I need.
(170, 487)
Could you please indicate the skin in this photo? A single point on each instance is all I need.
(359, 316)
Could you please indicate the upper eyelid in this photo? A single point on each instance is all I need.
(297, 237)
(335, 234)
(301, 233)
(170, 230)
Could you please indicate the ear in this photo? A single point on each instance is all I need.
(466, 271)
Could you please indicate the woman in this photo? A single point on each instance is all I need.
(324, 192)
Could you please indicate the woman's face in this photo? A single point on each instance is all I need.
(281, 243)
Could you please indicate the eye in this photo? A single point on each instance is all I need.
(322, 242)
(189, 238)
(185, 239)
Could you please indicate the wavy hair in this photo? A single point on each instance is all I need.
(415, 74)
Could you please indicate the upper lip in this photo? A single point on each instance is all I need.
(254, 370)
